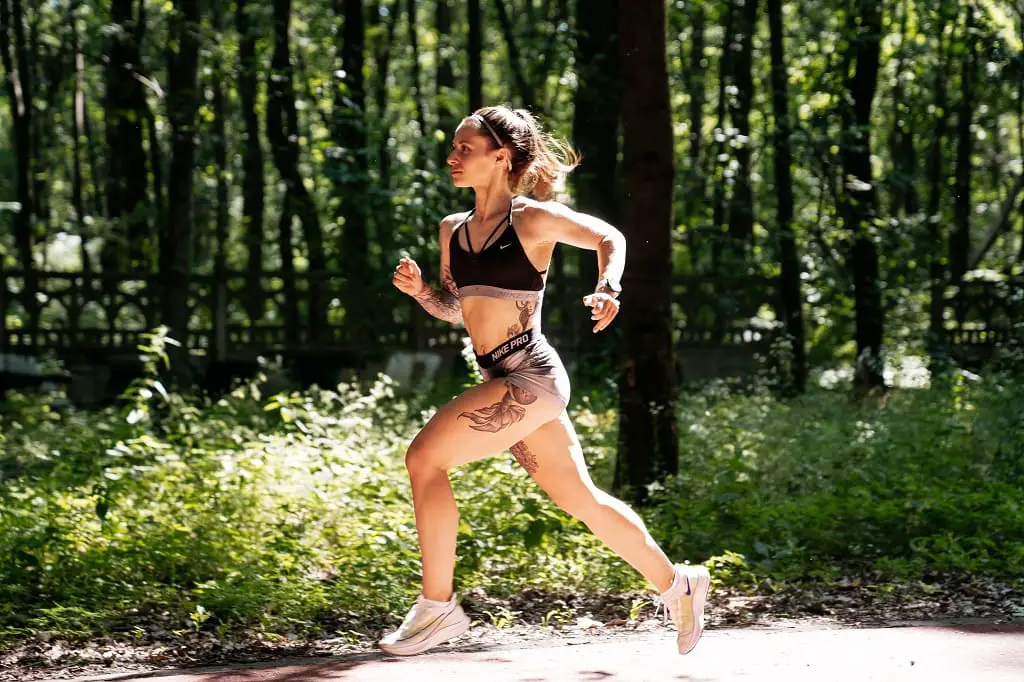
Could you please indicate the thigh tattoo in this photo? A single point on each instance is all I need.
(525, 458)
(502, 414)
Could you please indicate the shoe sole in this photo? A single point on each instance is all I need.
(700, 582)
(429, 639)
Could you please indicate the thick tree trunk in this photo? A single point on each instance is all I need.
(741, 208)
(596, 111)
(475, 47)
(960, 239)
(648, 437)
(792, 299)
(176, 251)
(858, 201)
(124, 106)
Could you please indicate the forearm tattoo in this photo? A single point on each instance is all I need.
(442, 304)
(525, 458)
(448, 282)
(502, 414)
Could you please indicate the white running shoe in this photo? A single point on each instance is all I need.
(685, 604)
(427, 624)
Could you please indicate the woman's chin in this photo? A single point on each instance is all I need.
(458, 180)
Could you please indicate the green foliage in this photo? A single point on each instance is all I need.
(817, 486)
(292, 512)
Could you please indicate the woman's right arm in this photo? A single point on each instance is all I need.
(442, 303)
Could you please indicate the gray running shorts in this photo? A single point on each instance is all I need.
(529, 362)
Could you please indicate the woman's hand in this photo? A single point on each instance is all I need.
(408, 277)
(603, 308)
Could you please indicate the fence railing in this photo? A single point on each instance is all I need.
(246, 314)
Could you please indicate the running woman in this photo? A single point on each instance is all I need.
(493, 264)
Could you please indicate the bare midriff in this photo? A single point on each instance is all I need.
(491, 321)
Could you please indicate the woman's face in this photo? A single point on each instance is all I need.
(474, 158)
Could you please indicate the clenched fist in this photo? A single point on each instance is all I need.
(408, 277)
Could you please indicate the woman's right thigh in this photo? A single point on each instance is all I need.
(485, 420)
(553, 457)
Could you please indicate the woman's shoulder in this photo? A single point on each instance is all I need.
(536, 216)
(449, 222)
(535, 213)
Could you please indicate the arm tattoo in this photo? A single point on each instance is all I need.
(441, 303)
(502, 414)
(448, 282)
(526, 459)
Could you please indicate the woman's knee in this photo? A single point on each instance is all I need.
(422, 460)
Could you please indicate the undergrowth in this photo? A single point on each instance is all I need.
(292, 511)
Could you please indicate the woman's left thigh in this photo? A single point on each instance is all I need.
(484, 420)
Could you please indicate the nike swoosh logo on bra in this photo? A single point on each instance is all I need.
(687, 586)
(504, 246)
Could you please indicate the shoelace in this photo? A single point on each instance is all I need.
(660, 605)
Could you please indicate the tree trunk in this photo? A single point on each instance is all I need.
(446, 117)
(523, 84)
(128, 244)
(354, 185)
(960, 239)
(596, 110)
(220, 148)
(718, 217)
(19, 88)
(253, 184)
(648, 437)
(282, 131)
(77, 124)
(95, 172)
(741, 208)
(693, 78)
(901, 141)
(382, 63)
(858, 201)
(176, 250)
(417, 81)
(936, 171)
(475, 47)
(792, 299)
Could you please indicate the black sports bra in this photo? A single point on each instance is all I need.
(498, 270)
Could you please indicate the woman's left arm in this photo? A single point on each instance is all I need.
(560, 223)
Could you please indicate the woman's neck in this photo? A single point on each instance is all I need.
(492, 202)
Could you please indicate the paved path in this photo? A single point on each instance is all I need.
(970, 653)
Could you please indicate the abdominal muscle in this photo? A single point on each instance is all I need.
(492, 321)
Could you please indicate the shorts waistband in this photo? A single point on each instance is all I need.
(518, 342)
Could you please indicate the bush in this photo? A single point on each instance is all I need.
(293, 512)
